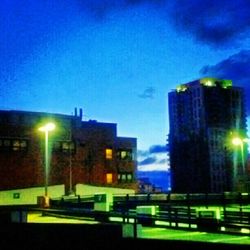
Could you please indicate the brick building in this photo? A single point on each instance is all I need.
(88, 152)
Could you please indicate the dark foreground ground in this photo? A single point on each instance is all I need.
(80, 236)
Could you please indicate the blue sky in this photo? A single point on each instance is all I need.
(117, 60)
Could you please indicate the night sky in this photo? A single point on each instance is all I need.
(118, 59)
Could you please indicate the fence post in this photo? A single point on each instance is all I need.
(240, 203)
(135, 227)
(170, 216)
(189, 210)
(148, 197)
(176, 217)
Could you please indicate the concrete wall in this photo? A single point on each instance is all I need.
(29, 195)
(82, 189)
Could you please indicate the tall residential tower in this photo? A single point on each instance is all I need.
(206, 116)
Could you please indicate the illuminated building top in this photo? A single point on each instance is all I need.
(206, 82)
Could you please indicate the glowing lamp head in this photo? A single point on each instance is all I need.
(48, 127)
(237, 141)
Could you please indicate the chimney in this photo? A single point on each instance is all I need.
(80, 113)
(75, 111)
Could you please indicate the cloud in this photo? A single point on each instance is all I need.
(101, 8)
(155, 149)
(163, 161)
(148, 93)
(142, 153)
(153, 159)
(147, 161)
(236, 68)
(214, 22)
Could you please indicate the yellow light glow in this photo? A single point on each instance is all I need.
(236, 141)
(48, 127)
(245, 230)
(181, 88)
(209, 83)
(108, 153)
(109, 178)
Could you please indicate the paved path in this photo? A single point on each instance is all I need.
(173, 234)
(156, 233)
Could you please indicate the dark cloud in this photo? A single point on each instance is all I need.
(214, 22)
(148, 161)
(148, 93)
(155, 149)
(142, 153)
(151, 156)
(236, 68)
(101, 8)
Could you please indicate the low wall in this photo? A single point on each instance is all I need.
(28, 196)
(82, 189)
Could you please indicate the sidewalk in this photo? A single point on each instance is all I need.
(157, 233)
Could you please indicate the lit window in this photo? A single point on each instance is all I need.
(16, 145)
(23, 145)
(125, 154)
(13, 145)
(125, 177)
(108, 153)
(129, 177)
(19, 145)
(109, 178)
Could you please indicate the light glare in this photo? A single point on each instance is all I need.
(237, 141)
(48, 127)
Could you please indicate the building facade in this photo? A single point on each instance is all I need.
(205, 117)
(88, 152)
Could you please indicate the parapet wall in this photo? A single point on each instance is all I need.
(28, 196)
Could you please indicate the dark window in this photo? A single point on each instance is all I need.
(64, 146)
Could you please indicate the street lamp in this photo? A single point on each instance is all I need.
(46, 129)
(237, 141)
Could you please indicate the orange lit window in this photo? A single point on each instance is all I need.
(109, 178)
(108, 153)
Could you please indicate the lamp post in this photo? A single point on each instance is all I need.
(237, 141)
(46, 129)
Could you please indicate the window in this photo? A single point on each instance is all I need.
(68, 147)
(64, 146)
(125, 177)
(13, 145)
(19, 145)
(109, 178)
(125, 154)
(129, 177)
(109, 153)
